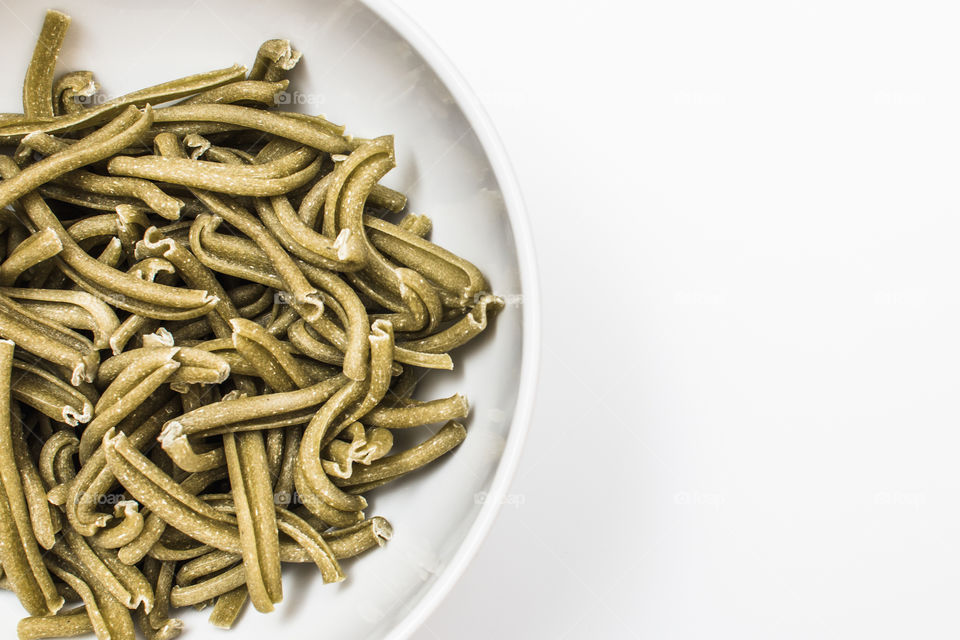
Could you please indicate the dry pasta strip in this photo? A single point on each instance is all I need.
(66, 624)
(102, 322)
(48, 340)
(47, 393)
(218, 415)
(418, 413)
(256, 521)
(108, 616)
(274, 59)
(45, 520)
(38, 83)
(41, 246)
(447, 438)
(311, 481)
(19, 550)
(264, 92)
(265, 121)
(70, 88)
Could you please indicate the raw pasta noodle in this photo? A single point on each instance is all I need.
(209, 339)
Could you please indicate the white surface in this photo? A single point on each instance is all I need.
(358, 71)
(746, 216)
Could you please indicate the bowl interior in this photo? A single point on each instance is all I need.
(360, 72)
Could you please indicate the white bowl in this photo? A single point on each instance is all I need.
(369, 67)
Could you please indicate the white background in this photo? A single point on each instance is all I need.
(746, 217)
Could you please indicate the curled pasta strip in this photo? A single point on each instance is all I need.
(163, 496)
(345, 198)
(55, 466)
(239, 365)
(219, 416)
(70, 88)
(130, 390)
(157, 624)
(344, 253)
(185, 456)
(274, 59)
(48, 340)
(253, 497)
(156, 244)
(19, 550)
(275, 364)
(154, 525)
(85, 491)
(125, 583)
(99, 145)
(142, 190)
(311, 481)
(462, 331)
(364, 447)
(38, 83)
(394, 466)
(56, 191)
(131, 373)
(102, 320)
(424, 308)
(132, 189)
(460, 281)
(38, 247)
(194, 360)
(418, 413)
(252, 180)
(65, 624)
(47, 393)
(381, 361)
(108, 616)
(44, 519)
(264, 92)
(285, 127)
(129, 526)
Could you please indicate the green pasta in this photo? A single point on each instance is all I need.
(38, 83)
(209, 341)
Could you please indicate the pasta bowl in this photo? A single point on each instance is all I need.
(367, 66)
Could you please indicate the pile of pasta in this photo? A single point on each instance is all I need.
(210, 334)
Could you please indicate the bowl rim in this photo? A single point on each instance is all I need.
(476, 115)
